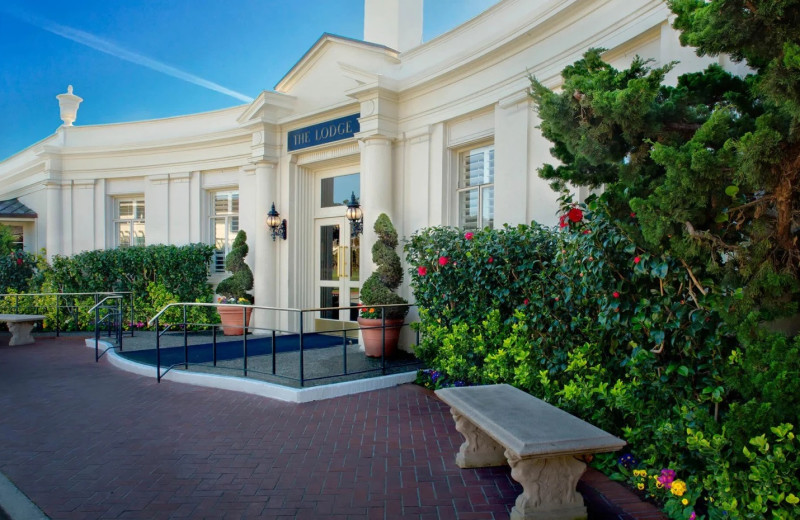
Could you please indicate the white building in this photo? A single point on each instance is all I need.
(435, 133)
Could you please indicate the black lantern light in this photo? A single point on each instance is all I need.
(275, 224)
(355, 216)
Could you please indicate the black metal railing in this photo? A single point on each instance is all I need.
(64, 307)
(111, 318)
(295, 323)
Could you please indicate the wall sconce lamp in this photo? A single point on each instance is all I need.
(355, 216)
(275, 224)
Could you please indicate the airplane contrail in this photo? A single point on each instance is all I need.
(112, 49)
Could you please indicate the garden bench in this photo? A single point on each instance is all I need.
(20, 326)
(544, 446)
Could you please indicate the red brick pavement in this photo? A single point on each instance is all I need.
(84, 440)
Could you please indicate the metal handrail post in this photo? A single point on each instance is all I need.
(344, 350)
(274, 352)
(132, 316)
(244, 340)
(57, 317)
(96, 334)
(383, 340)
(119, 323)
(185, 342)
(158, 353)
(214, 343)
(301, 349)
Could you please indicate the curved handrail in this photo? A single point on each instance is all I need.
(98, 304)
(263, 307)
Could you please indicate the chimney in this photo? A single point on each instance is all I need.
(396, 24)
(68, 103)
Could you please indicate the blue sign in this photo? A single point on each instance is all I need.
(321, 133)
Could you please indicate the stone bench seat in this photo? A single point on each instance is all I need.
(544, 446)
(20, 326)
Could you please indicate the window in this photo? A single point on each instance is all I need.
(336, 191)
(129, 222)
(18, 243)
(476, 188)
(224, 225)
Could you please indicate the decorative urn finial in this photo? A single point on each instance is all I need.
(68, 103)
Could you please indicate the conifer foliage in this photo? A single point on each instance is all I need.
(379, 288)
(711, 166)
(241, 279)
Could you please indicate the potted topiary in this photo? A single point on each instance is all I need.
(233, 290)
(378, 290)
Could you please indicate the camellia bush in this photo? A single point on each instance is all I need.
(631, 341)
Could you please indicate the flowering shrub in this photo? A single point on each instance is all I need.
(627, 339)
(232, 300)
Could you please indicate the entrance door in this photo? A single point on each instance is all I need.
(337, 271)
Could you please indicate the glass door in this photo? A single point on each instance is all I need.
(337, 271)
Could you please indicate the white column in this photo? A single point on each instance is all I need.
(53, 220)
(376, 192)
(511, 159)
(265, 285)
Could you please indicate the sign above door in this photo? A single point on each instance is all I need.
(321, 133)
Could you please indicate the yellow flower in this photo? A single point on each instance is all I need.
(685, 502)
(640, 486)
(678, 488)
(659, 485)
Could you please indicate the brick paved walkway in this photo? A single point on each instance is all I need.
(85, 440)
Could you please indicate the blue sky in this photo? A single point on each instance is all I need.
(163, 57)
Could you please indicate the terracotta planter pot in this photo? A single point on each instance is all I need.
(372, 332)
(231, 318)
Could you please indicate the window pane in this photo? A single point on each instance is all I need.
(477, 167)
(329, 297)
(355, 255)
(354, 300)
(138, 209)
(329, 253)
(335, 191)
(123, 234)
(125, 209)
(468, 209)
(138, 234)
(487, 212)
(489, 173)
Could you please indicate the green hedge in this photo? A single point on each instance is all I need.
(586, 320)
(156, 275)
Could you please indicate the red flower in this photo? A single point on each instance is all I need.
(562, 221)
(422, 270)
(443, 260)
(491, 259)
(468, 235)
(636, 260)
(615, 294)
(525, 302)
(633, 215)
(19, 261)
(586, 231)
(575, 215)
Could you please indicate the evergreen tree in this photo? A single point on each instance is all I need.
(708, 167)
(241, 279)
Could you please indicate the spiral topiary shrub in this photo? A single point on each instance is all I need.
(379, 288)
(241, 279)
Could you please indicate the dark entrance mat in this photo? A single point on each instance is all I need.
(226, 350)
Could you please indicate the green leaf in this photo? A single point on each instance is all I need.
(683, 370)
(722, 217)
(731, 191)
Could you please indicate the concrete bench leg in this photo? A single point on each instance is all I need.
(549, 488)
(21, 333)
(478, 449)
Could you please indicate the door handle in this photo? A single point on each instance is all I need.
(342, 272)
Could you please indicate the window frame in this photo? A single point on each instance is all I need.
(488, 148)
(136, 200)
(218, 261)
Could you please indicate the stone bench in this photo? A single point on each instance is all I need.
(20, 326)
(544, 446)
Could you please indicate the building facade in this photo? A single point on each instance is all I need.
(434, 133)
